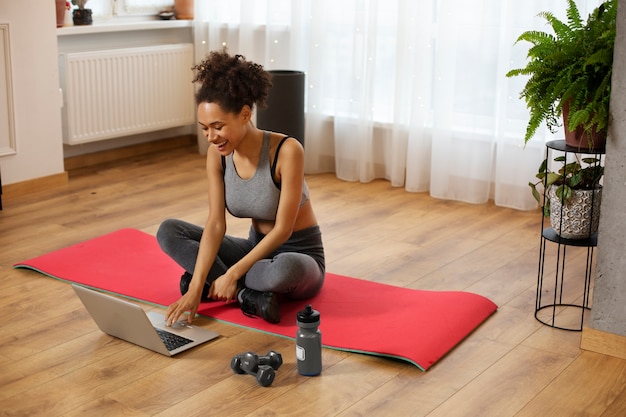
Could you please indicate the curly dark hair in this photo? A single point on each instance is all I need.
(231, 81)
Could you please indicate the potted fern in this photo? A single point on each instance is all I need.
(570, 74)
(572, 195)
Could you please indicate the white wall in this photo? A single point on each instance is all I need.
(36, 98)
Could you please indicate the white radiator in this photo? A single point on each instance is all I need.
(121, 92)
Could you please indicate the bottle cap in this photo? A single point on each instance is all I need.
(308, 315)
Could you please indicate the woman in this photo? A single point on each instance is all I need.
(252, 174)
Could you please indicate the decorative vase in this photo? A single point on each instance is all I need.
(82, 17)
(578, 218)
(183, 9)
(60, 12)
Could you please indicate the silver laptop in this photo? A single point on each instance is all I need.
(130, 322)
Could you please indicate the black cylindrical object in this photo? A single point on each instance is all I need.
(285, 105)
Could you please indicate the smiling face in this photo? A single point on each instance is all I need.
(224, 130)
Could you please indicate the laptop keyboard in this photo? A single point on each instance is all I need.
(172, 341)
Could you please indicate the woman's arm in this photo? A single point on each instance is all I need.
(212, 236)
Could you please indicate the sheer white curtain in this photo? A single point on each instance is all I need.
(411, 91)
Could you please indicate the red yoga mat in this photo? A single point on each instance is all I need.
(356, 315)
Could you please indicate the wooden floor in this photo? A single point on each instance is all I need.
(55, 362)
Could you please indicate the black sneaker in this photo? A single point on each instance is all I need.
(261, 304)
(185, 279)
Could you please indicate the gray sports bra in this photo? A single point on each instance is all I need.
(257, 197)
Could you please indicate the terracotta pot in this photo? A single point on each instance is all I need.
(60, 12)
(579, 138)
(183, 9)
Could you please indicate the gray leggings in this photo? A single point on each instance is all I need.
(296, 269)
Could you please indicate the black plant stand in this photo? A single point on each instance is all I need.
(554, 301)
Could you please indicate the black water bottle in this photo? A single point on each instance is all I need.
(309, 342)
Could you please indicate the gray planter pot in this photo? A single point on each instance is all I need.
(579, 217)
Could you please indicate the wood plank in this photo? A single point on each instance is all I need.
(413, 394)
(617, 408)
(507, 386)
(585, 388)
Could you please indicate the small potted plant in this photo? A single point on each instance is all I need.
(570, 74)
(81, 16)
(572, 194)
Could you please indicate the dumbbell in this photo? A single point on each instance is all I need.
(262, 367)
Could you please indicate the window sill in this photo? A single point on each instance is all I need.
(123, 26)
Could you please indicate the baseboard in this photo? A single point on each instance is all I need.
(88, 160)
(603, 342)
(37, 184)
